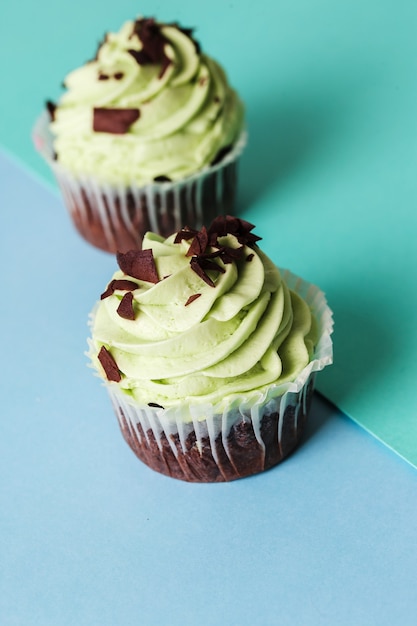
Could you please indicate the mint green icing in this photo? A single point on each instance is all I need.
(248, 332)
(188, 111)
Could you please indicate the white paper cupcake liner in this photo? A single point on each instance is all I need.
(214, 443)
(115, 217)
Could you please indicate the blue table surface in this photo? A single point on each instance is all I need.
(90, 536)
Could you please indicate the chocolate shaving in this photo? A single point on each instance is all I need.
(206, 264)
(153, 45)
(118, 75)
(109, 291)
(199, 243)
(200, 265)
(51, 108)
(185, 233)
(125, 308)
(205, 239)
(109, 365)
(162, 179)
(115, 121)
(223, 225)
(249, 257)
(103, 76)
(121, 284)
(139, 264)
(140, 56)
(192, 298)
(228, 255)
(155, 405)
(124, 285)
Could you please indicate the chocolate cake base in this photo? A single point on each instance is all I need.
(243, 455)
(115, 219)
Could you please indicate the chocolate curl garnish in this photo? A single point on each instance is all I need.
(125, 308)
(185, 233)
(109, 365)
(192, 298)
(51, 108)
(200, 265)
(153, 45)
(125, 285)
(229, 255)
(248, 239)
(223, 225)
(241, 229)
(199, 243)
(139, 264)
(115, 121)
(120, 284)
(162, 179)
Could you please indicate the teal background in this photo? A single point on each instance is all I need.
(329, 175)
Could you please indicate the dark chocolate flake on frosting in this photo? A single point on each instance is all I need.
(51, 108)
(162, 179)
(139, 264)
(199, 244)
(185, 233)
(228, 255)
(124, 285)
(200, 266)
(109, 365)
(109, 291)
(125, 308)
(192, 298)
(115, 121)
(228, 224)
(153, 44)
(201, 248)
(121, 284)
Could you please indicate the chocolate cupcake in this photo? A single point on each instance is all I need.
(146, 137)
(209, 352)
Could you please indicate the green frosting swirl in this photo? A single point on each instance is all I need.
(240, 336)
(186, 114)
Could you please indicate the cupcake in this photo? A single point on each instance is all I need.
(146, 137)
(209, 352)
